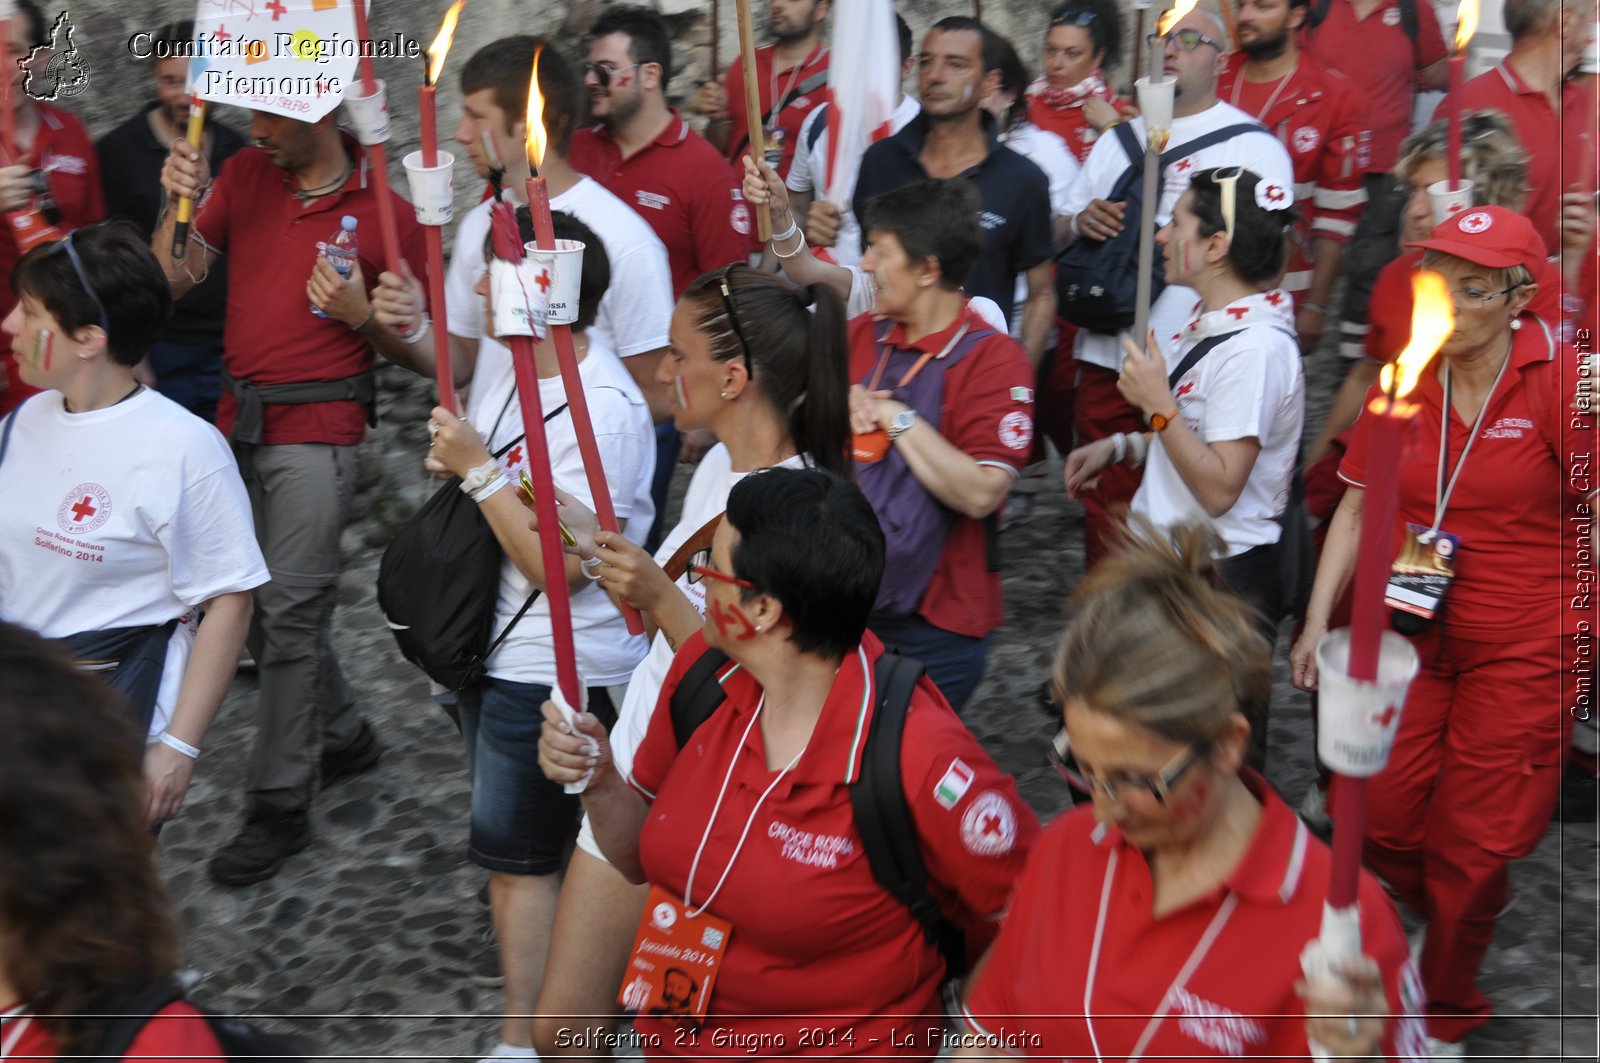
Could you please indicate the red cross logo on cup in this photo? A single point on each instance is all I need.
(1385, 718)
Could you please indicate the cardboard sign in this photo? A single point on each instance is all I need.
(295, 58)
(673, 968)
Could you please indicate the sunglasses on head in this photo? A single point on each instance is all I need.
(83, 279)
(604, 72)
(1187, 40)
(1073, 18)
(723, 277)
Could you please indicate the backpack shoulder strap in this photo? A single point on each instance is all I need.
(127, 1014)
(503, 451)
(1409, 22)
(697, 695)
(1319, 12)
(1205, 140)
(883, 818)
(1195, 353)
(819, 125)
(1130, 143)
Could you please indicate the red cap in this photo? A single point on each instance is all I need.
(1489, 236)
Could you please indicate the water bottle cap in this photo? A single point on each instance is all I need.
(348, 223)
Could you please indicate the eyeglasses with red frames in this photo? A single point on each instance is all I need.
(700, 568)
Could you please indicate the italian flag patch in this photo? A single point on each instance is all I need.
(953, 786)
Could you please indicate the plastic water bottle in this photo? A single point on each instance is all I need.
(340, 252)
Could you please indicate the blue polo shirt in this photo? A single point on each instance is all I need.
(1014, 208)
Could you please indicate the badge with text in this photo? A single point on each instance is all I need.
(1423, 571)
(869, 446)
(673, 969)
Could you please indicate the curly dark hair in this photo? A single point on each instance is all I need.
(83, 915)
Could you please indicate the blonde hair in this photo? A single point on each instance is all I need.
(1158, 639)
(1491, 159)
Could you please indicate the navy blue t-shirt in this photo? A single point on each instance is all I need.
(1014, 207)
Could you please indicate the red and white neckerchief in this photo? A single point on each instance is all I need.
(1274, 308)
(1072, 95)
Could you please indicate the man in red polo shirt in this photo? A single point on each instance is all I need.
(645, 155)
(298, 395)
(52, 151)
(1552, 114)
(793, 76)
(1316, 115)
(1370, 43)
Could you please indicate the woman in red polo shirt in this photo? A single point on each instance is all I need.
(1476, 763)
(748, 833)
(84, 922)
(1167, 921)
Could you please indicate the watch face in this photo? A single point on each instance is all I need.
(904, 419)
(1158, 421)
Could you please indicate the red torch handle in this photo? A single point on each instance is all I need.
(444, 376)
(577, 403)
(377, 158)
(508, 247)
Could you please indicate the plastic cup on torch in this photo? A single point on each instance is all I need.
(1156, 94)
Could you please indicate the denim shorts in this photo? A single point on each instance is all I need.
(521, 821)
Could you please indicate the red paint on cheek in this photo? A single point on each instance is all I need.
(624, 80)
(730, 618)
(48, 340)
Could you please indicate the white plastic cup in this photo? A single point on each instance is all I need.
(1446, 202)
(369, 114)
(518, 302)
(432, 188)
(1358, 719)
(565, 278)
(1155, 102)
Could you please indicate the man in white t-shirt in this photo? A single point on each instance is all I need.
(809, 188)
(1196, 54)
(636, 311)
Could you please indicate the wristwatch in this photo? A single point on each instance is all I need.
(480, 477)
(900, 422)
(1159, 421)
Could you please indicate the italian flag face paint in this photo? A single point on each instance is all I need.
(679, 392)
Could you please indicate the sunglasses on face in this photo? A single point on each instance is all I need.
(1186, 40)
(700, 568)
(604, 72)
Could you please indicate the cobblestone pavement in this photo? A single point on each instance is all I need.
(363, 943)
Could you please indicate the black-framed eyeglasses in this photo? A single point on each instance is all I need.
(1470, 298)
(1073, 18)
(604, 72)
(83, 279)
(724, 275)
(700, 568)
(1186, 39)
(1158, 786)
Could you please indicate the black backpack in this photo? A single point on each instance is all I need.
(888, 833)
(1096, 280)
(240, 1040)
(439, 581)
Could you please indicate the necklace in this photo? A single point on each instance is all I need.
(1262, 114)
(136, 389)
(306, 195)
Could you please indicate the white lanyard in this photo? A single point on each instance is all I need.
(794, 75)
(1262, 115)
(18, 1022)
(1196, 956)
(688, 887)
(1443, 491)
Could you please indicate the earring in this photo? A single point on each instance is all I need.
(726, 395)
(758, 629)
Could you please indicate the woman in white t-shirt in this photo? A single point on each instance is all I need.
(763, 365)
(1225, 419)
(124, 515)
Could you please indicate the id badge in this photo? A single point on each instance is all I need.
(1422, 571)
(869, 447)
(29, 228)
(673, 968)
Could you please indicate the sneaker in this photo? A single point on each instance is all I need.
(485, 970)
(262, 845)
(362, 754)
(1446, 1049)
(1314, 809)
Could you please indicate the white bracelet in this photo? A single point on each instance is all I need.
(1138, 448)
(168, 739)
(794, 227)
(797, 247)
(423, 324)
(480, 495)
(1119, 448)
(589, 571)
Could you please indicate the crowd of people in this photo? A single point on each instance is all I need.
(865, 397)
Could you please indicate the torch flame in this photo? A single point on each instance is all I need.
(1432, 318)
(1466, 23)
(1171, 18)
(441, 44)
(536, 143)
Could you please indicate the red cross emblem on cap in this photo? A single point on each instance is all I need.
(1476, 222)
(1275, 193)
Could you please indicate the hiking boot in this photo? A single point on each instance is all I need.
(362, 754)
(266, 840)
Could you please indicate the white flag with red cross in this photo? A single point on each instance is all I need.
(294, 58)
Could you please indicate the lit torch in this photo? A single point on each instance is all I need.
(1156, 91)
(1364, 671)
(1466, 26)
(432, 67)
(387, 229)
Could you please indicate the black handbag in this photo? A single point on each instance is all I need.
(439, 581)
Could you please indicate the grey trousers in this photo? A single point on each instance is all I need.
(300, 494)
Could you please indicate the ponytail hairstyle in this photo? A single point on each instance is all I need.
(1259, 248)
(798, 351)
(1158, 639)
